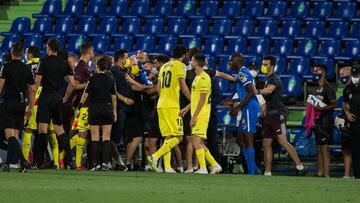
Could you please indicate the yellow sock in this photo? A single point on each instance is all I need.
(167, 160)
(54, 148)
(26, 145)
(166, 147)
(79, 150)
(210, 159)
(200, 153)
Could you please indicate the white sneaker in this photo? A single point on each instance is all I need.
(215, 169)
(180, 169)
(170, 170)
(202, 171)
(147, 167)
(96, 168)
(267, 173)
(346, 177)
(189, 171)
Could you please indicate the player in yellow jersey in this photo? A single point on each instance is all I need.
(200, 114)
(170, 81)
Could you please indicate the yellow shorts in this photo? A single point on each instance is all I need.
(81, 123)
(200, 128)
(32, 124)
(170, 122)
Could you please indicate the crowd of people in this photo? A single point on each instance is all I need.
(98, 103)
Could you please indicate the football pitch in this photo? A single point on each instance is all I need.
(83, 186)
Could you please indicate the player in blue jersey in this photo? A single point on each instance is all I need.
(249, 107)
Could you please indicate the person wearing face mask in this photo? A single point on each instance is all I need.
(323, 128)
(351, 108)
(345, 79)
(274, 121)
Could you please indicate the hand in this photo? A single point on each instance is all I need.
(28, 113)
(193, 121)
(350, 116)
(183, 112)
(77, 112)
(115, 116)
(65, 99)
(317, 108)
(227, 102)
(234, 111)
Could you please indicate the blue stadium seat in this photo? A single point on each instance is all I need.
(122, 42)
(235, 45)
(140, 8)
(59, 37)
(355, 29)
(166, 44)
(231, 9)
(176, 26)
(162, 8)
(208, 8)
(329, 47)
(282, 46)
(74, 43)
(276, 9)
(252, 58)
(267, 28)
(244, 27)
(299, 66)
(190, 41)
(306, 47)
(41, 26)
(50, 8)
(63, 25)
(96, 8)
(108, 26)
(221, 27)
(185, 8)
(345, 10)
(118, 8)
(290, 28)
(154, 26)
(314, 29)
(322, 9)
(145, 43)
(258, 46)
(34, 40)
(87, 25)
(211, 61)
(351, 49)
(131, 26)
(18, 26)
(292, 85)
(213, 46)
(280, 65)
(8, 41)
(224, 65)
(329, 62)
(198, 27)
(337, 29)
(101, 44)
(299, 9)
(73, 8)
(254, 8)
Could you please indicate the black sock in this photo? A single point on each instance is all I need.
(105, 151)
(40, 145)
(95, 152)
(9, 155)
(65, 143)
(14, 145)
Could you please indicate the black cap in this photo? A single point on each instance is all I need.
(355, 70)
(252, 65)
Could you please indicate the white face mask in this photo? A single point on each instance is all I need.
(253, 73)
(355, 80)
(155, 71)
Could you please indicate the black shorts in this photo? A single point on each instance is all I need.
(50, 109)
(323, 131)
(133, 125)
(101, 114)
(151, 125)
(12, 115)
(345, 138)
(274, 125)
(186, 122)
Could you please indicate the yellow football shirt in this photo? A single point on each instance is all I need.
(169, 74)
(201, 84)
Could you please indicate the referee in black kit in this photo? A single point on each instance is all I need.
(52, 71)
(15, 81)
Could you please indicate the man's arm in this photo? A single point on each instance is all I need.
(75, 84)
(198, 109)
(184, 88)
(268, 90)
(249, 94)
(127, 101)
(2, 82)
(113, 102)
(225, 76)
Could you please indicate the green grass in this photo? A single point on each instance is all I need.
(73, 186)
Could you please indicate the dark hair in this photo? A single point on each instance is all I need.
(54, 45)
(72, 55)
(272, 60)
(119, 54)
(7, 58)
(84, 48)
(34, 51)
(193, 51)
(179, 51)
(322, 66)
(102, 63)
(162, 58)
(17, 49)
(239, 57)
(63, 54)
(109, 61)
(200, 59)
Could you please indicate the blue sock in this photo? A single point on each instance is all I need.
(250, 161)
(244, 152)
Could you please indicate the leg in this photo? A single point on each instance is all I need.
(189, 152)
(212, 137)
(320, 166)
(15, 148)
(80, 145)
(106, 131)
(42, 143)
(289, 148)
(64, 143)
(54, 148)
(200, 152)
(178, 156)
(26, 144)
(250, 152)
(131, 148)
(326, 159)
(347, 161)
(268, 154)
(95, 137)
